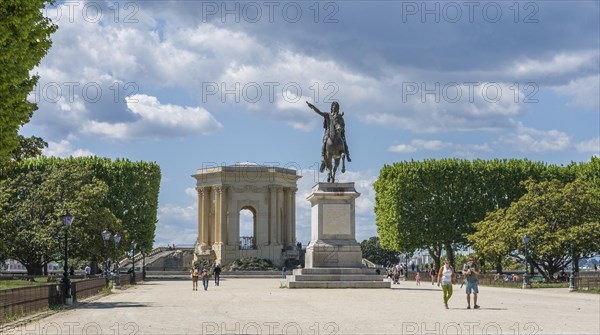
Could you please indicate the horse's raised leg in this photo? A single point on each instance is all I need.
(343, 163)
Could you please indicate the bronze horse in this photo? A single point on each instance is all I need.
(334, 148)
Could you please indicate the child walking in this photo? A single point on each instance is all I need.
(418, 279)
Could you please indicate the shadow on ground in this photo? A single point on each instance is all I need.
(105, 305)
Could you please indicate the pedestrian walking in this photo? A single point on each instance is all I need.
(195, 276)
(204, 276)
(217, 272)
(446, 276)
(433, 274)
(418, 279)
(471, 270)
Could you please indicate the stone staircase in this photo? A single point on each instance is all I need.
(336, 278)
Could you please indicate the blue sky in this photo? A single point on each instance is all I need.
(189, 84)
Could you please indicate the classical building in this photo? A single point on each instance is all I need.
(268, 193)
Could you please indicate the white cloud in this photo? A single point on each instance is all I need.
(592, 146)
(191, 191)
(447, 107)
(583, 92)
(156, 121)
(402, 148)
(64, 148)
(559, 64)
(436, 145)
(526, 139)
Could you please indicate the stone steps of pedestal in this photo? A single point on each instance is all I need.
(332, 271)
(337, 277)
(338, 284)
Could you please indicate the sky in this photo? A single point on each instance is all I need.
(193, 84)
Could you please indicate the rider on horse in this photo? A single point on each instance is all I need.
(330, 120)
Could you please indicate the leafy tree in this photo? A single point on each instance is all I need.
(432, 204)
(133, 197)
(120, 195)
(372, 250)
(557, 217)
(32, 201)
(29, 147)
(24, 41)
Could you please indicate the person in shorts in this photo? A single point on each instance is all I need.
(195, 275)
(470, 271)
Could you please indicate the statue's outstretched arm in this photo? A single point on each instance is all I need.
(315, 109)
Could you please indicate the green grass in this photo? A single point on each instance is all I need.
(520, 284)
(593, 291)
(14, 283)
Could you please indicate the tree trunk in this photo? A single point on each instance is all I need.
(94, 267)
(34, 269)
(436, 255)
(575, 265)
(450, 253)
(499, 265)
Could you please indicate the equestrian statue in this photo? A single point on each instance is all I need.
(334, 146)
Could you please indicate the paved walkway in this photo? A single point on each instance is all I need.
(259, 306)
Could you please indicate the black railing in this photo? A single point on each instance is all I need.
(246, 242)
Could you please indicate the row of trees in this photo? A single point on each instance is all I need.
(120, 195)
(450, 204)
(24, 41)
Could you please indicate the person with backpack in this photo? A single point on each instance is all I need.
(471, 270)
(195, 275)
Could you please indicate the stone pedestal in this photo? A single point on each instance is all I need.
(332, 241)
(333, 257)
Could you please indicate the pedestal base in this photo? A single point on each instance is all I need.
(333, 254)
(336, 278)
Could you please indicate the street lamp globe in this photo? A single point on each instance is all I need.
(106, 235)
(117, 239)
(526, 283)
(67, 218)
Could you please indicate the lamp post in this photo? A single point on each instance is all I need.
(117, 239)
(67, 219)
(106, 236)
(133, 246)
(526, 283)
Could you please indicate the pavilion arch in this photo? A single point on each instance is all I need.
(247, 241)
(268, 192)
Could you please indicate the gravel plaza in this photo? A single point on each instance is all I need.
(260, 306)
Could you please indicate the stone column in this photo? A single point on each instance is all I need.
(293, 215)
(272, 214)
(205, 215)
(223, 224)
(200, 216)
(279, 225)
(216, 234)
(290, 221)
